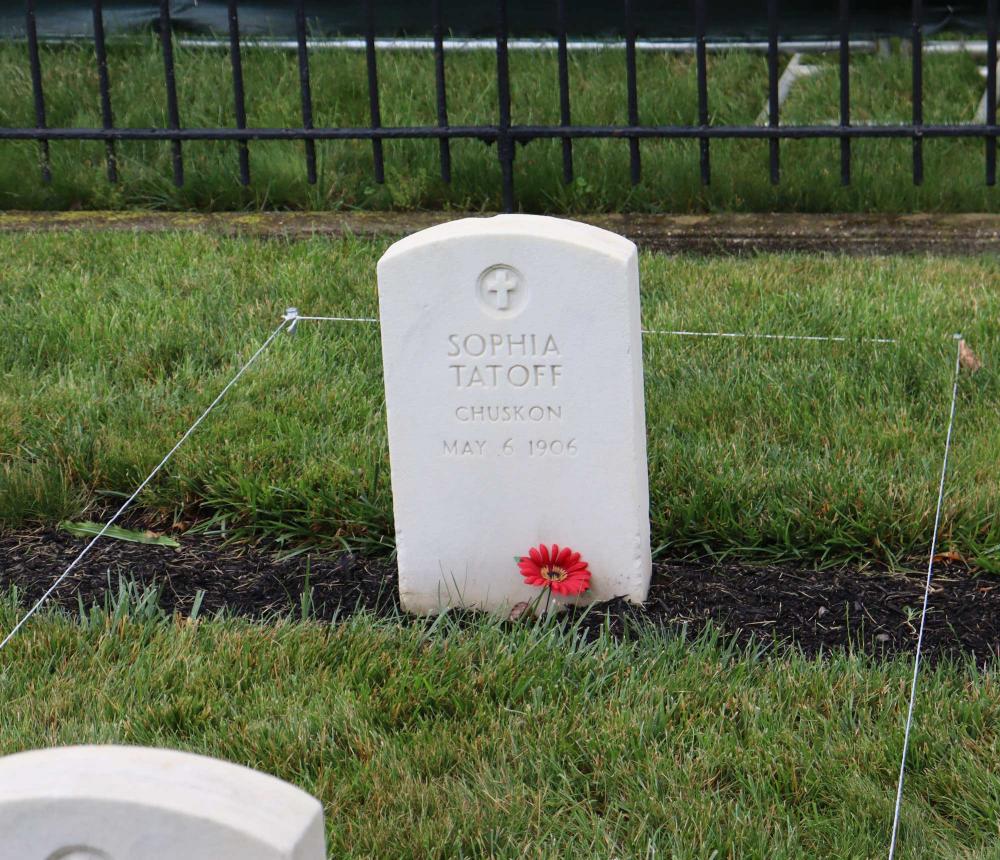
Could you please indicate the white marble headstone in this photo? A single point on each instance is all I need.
(135, 803)
(512, 355)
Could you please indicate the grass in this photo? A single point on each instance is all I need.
(667, 94)
(824, 453)
(484, 741)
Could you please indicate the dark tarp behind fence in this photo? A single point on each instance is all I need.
(654, 19)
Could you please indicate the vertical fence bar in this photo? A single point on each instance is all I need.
(173, 114)
(373, 105)
(917, 36)
(701, 61)
(772, 85)
(564, 113)
(505, 144)
(991, 90)
(104, 83)
(304, 88)
(444, 144)
(845, 90)
(239, 97)
(36, 87)
(635, 167)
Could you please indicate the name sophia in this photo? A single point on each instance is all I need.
(502, 345)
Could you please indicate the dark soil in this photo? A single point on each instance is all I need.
(716, 233)
(817, 611)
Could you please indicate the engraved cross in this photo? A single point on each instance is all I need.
(501, 282)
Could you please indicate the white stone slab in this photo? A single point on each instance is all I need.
(512, 354)
(134, 803)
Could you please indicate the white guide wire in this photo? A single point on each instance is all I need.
(771, 336)
(298, 318)
(927, 592)
(288, 320)
(291, 318)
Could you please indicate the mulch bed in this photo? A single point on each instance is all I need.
(817, 611)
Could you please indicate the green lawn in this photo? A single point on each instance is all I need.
(820, 452)
(667, 94)
(489, 742)
(472, 738)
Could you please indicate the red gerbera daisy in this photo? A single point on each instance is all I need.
(562, 570)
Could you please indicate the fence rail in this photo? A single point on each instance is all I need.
(504, 133)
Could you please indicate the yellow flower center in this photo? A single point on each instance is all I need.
(553, 573)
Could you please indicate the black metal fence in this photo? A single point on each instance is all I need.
(504, 134)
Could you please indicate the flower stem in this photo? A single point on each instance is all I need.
(548, 598)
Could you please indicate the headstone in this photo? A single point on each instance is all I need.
(127, 803)
(512, 354)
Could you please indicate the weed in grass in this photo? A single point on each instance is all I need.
(306, 598)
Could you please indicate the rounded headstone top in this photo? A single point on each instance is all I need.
(537, 227)
(111, 801)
